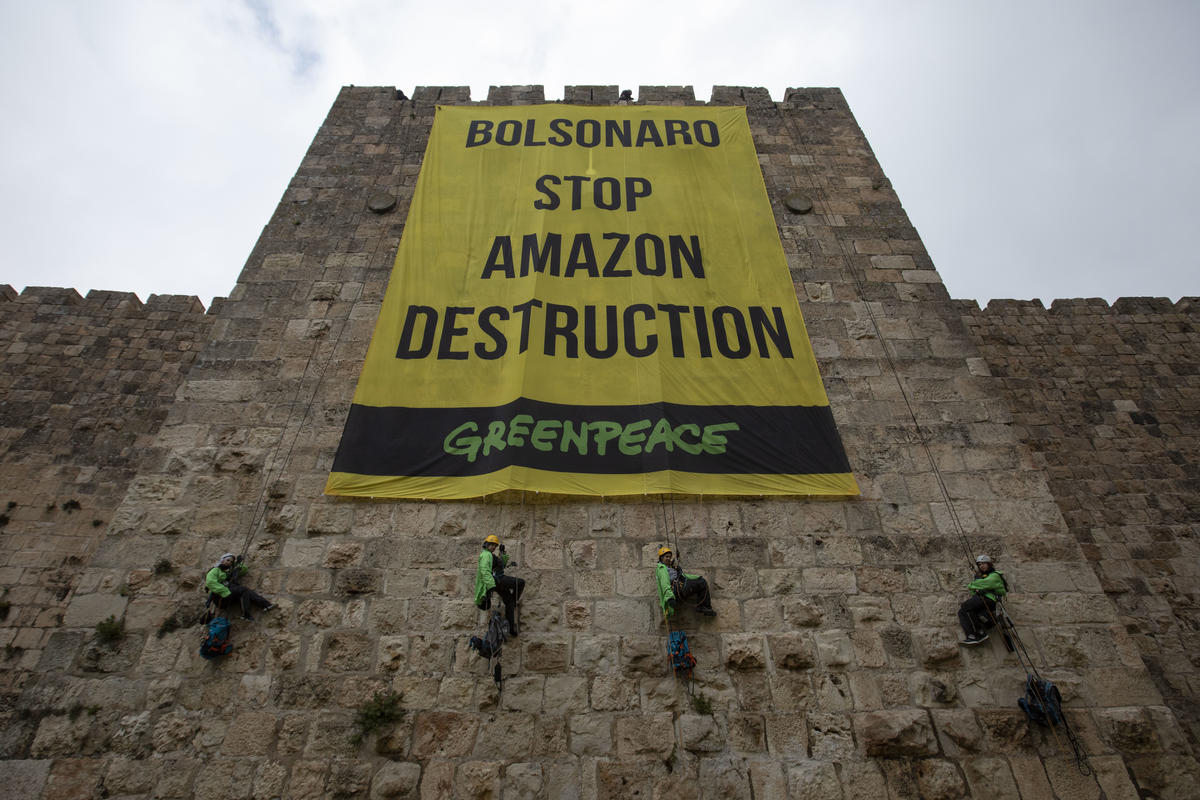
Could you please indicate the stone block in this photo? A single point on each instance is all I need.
(896, 733)
(813, 780)
(622, 616)
(347, 651)
(991, 777)
(566, 694)
(1004, 730)
(328, 520)
(595, 653)
(935, 647)
(868, 609)
(792, 651)
(505, 735)
(763, 614)
(444, 734)
(357, 580)
(787, 735)
(323, 614)
(802, 613)
(24, 778)
(939, 779)
(342, 554)
(834, 648)
(614, 693)
(88, 609)
(249, 734)
(643, 655)
(127, 777)
(57, 735)
(744, 651)
(307, 581)
(957, 730)
(701, 733)
(724, 776)
(590, 734)
(393, 653)
(302, 553)
(524, 693)
(430, 655)
(791, 691)
(645, 735)
(546, 654)
(70, 779)
(1128, 730)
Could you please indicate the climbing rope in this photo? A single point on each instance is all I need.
(1007, 627)
(261, 505)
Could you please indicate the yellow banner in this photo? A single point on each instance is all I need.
(590, 300)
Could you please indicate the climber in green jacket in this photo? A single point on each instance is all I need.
(490, 577)
(986, 589)
(222, 581)
(674, 583)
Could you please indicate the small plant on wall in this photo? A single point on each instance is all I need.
(377, 714)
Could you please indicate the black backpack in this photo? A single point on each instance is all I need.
(1042, 702)
(493, 639)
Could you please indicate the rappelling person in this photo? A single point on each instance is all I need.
(986, 589)
(223, 581)
(490, 578)
(674, 584)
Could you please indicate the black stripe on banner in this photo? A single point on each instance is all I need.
(617, 440)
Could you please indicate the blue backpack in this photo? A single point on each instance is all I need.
(216, 641)
(682, 660)
(1042, 702)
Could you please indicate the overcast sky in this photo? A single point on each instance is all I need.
(1042, 149)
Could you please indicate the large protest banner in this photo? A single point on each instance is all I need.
(590, 300)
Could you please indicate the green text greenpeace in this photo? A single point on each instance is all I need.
(546, 435)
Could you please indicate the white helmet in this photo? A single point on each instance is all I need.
(982, 559)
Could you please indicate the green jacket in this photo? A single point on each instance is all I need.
(216, 578)
(665, 593)
(990, 585)
(484, 579)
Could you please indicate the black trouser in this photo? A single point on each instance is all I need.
(693, 587)
(244, 595)
(968, 613)
(509, 589)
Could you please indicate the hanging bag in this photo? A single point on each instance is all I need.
(216, 639)
(682, 660)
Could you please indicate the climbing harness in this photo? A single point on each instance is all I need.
(1035, 684)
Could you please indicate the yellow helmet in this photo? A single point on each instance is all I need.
(493, 539)
(662, 551)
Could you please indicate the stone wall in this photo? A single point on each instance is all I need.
(832, 669)
(85, 387)
(1108, 399)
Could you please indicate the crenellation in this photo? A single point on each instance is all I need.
(51, 296)
(741, 96)
(585, 95)
(666, 95)
(448, 95)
